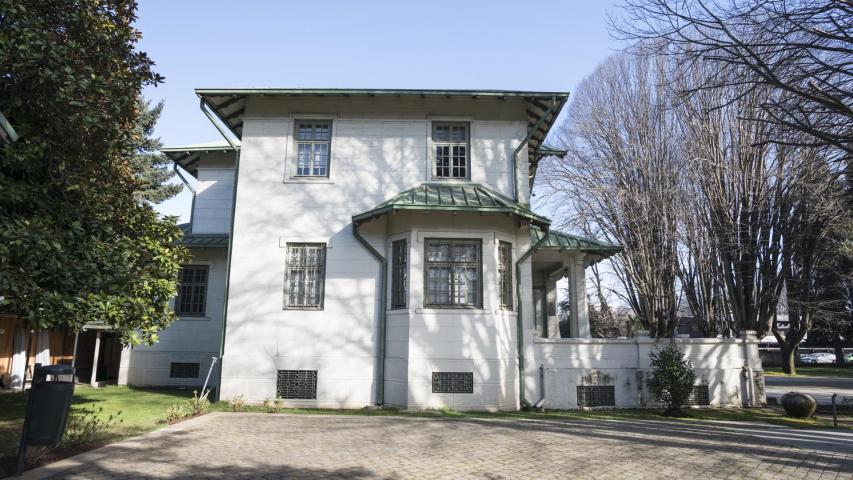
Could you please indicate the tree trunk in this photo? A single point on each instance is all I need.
(838, 345)
(789, 364)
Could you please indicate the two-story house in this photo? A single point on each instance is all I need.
(377, 247)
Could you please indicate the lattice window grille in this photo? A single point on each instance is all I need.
(701, 396)
(183, 370)
(596, 396)
(452, 382)
(297, 384)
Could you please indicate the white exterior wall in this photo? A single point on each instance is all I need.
(188, 339)
(375, 154)
(625, 364)
(214, 193)
(426, 340)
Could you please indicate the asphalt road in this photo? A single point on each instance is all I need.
(821, 388)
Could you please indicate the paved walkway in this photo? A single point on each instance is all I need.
(821, 388)
(234, 445)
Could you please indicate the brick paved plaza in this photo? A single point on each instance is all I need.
(235, 445)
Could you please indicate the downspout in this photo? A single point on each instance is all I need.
(523, 143)
(519, 327)
(189, 187)
(230, 244)
(380, 370)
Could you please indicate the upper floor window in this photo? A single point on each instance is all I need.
(192, 291)
(453, 273)
(312, 148)
(505, 274)
(399, 273)
(450, 141)
(306, 275)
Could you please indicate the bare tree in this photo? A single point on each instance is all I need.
(799, 49)
(816, 208)
(621, 176)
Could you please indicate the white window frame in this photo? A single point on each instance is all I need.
(435, 144)
(294, 163)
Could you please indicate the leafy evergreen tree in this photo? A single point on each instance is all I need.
(76, 244)
(152, 168)
(673, 377)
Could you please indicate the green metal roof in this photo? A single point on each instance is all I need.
(209, 240)
(446, 197)
(563, 241)
(187, 156)
(347, 92)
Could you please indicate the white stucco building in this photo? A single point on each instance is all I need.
(363, 247)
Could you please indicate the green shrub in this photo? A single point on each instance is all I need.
(238, 403)
(673, 378)
(198, 405)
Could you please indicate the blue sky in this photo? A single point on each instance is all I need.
(529, 45)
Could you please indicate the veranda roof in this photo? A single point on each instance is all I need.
(444, 197)
(210, 240)
(563, 241)
(187, 156)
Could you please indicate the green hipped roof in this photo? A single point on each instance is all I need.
(563, 241)
(211, 240)
(446, 197)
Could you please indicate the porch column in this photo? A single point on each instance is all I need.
(551, 318)
(577, 286)
(94, 379)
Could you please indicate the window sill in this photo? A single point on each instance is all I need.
(308, 180)
(454, 311)
(304, 309)
(506, 311)
(193, 319)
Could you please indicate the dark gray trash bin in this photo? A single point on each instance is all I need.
(48, 403)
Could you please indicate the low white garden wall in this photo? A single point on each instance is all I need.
(725, 366)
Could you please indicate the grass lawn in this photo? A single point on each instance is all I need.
(770, 415)
(813, 371)
(141, 411)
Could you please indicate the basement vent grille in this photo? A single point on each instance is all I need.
(183, 370)
(700, 396)
(452, 382)
(297, 384)
(596, 396)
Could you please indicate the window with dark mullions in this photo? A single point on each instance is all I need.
(451, 150)
(399, 273)
(505, 274)
(306, 272)
(312, 148)
(453, 273)
(192, 291)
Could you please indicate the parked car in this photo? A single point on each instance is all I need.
(806, 357)
(848, 358)
(821, 357)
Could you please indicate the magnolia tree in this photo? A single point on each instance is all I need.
(76, 243)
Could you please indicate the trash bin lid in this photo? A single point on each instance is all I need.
(56, 370)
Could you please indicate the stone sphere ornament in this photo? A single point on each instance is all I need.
(799, 405)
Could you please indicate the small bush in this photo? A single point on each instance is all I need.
(673, 378)
(198, 405)
(238, 403)
(270, 406)
(84, 427)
